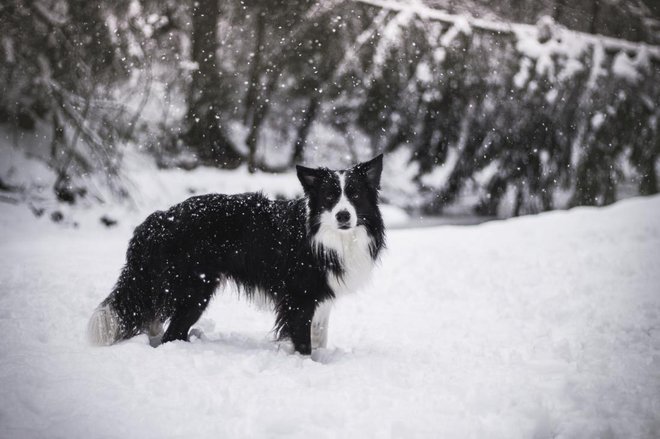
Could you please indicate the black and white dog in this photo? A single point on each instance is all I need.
(300, 254)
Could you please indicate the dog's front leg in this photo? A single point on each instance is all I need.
(320, 321)
(300, 323)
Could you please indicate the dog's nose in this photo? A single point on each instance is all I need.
(343, 216)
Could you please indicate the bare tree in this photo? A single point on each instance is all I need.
(205, 133)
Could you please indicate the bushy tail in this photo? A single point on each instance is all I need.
(129, 310)
(103, 326)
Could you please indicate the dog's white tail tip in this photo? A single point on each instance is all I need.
(103, 326)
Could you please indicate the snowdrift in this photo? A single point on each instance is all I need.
(544, 326)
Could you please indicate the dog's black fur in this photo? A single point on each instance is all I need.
(177, 258)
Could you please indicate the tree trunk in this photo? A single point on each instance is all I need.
(558, 12)
(518, 203)
(255, 71)
(262, 106)
(303, 130)
(649, 181)
(205, 133)
(488, 205)
(60, 159)
(586, 181)
(595, 12)
(518, 9)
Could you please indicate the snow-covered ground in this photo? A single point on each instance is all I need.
(544, 326)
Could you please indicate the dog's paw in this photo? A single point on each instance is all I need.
(196, 334)
(304, 349)
(156, 340)
(286, 346)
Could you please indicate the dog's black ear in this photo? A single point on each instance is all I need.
(308, 177)
(372, 170)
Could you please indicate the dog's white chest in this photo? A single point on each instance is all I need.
(353, 251)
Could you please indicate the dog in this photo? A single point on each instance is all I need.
(299, 254)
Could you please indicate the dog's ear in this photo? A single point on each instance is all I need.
(308, 177)
(372, 170)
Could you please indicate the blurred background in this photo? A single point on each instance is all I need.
(483, 108)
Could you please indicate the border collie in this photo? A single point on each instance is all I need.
(299, 254)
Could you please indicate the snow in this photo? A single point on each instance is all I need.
(440, 175)
(571, 68)
(597, 120)
(423, 73)
(631, 68)
(597, 69)
(391, 36)
(578, 40)
(397, 184)
(153, 189)
(461, 26)
(542, 326)
(624, 67)
(523, 75)
(563, 51)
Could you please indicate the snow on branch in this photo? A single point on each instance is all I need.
(351, 54)
(52, 18)
(609, 44)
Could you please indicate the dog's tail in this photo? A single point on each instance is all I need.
(129, 309)
(120, 316)
(103, 328)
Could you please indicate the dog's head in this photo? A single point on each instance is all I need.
(343, 200)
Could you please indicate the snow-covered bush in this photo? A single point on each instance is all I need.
(521, 118)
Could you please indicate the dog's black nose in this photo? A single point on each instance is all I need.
(343, 216)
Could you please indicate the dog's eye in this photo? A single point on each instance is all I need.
(329, 198)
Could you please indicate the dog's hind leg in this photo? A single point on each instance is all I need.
(155, 328)
(155, 332)
(320, 321)
(181, 322)
(189, 306)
